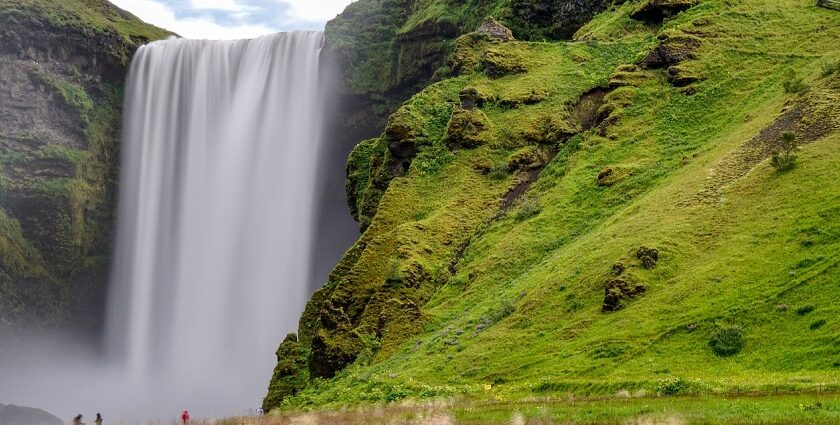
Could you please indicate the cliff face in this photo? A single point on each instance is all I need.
(62, 70)
(388, 50)
(593, 216)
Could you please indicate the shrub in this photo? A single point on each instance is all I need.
(818, 324)
(805, 309)
(727, 340)
(396, 394)
(671, 386)
(529, 207)
(830, 68)
(794, 84)
(498, 172)
(784, 158)
(496, 315)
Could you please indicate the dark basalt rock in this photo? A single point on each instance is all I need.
(656, 11)
(672, 50)
(618, 290)
(537, 19)
(648, 257)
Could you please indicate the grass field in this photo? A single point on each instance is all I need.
(733, 410)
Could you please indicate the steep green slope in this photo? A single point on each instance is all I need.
(595, 216)
(62, 70)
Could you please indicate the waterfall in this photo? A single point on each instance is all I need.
(215, 221)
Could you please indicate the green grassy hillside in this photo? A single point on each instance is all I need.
(508, 208)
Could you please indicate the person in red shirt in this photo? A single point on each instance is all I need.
(185, 417)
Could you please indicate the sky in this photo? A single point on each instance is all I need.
(234, 19)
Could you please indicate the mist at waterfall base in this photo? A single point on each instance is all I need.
(224, 183)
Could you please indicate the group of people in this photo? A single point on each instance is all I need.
(78, 419)
(185, 418)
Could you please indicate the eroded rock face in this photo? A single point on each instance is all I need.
(656, 11)
(59, 131)
(536, 19)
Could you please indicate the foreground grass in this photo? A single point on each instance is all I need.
(767, 410)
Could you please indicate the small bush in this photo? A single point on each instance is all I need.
(784, 158)
(830, 68)
(498, 172)
(727, 340)
(396, 394)
(805, 309)
(818, 324)
(530, 207)
(671, 386)
(496, 315)
(794, 84)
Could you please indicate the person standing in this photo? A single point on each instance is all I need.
(98, 420)
(185, 417)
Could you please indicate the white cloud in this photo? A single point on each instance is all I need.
(224, 5)
(316, 10)
(233, 19)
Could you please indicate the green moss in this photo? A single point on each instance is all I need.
(441, 242)
(468, 128)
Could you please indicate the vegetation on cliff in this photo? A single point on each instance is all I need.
(62, 68)
(594, 217)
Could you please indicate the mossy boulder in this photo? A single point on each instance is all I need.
(369, 171)
(527, 158)
(468, 128)
(503, 62)
(473, 97)
(672, 50)
(549, 130)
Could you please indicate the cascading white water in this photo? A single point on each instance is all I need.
(220, 155)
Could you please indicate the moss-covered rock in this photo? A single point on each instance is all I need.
(468, 128)
(291, 373)
(62, 68)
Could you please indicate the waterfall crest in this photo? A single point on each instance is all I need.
(220, 155)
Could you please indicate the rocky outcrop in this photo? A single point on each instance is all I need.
(60, 97)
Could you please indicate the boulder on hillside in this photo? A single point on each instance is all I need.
(672, 50)
(495, 30)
